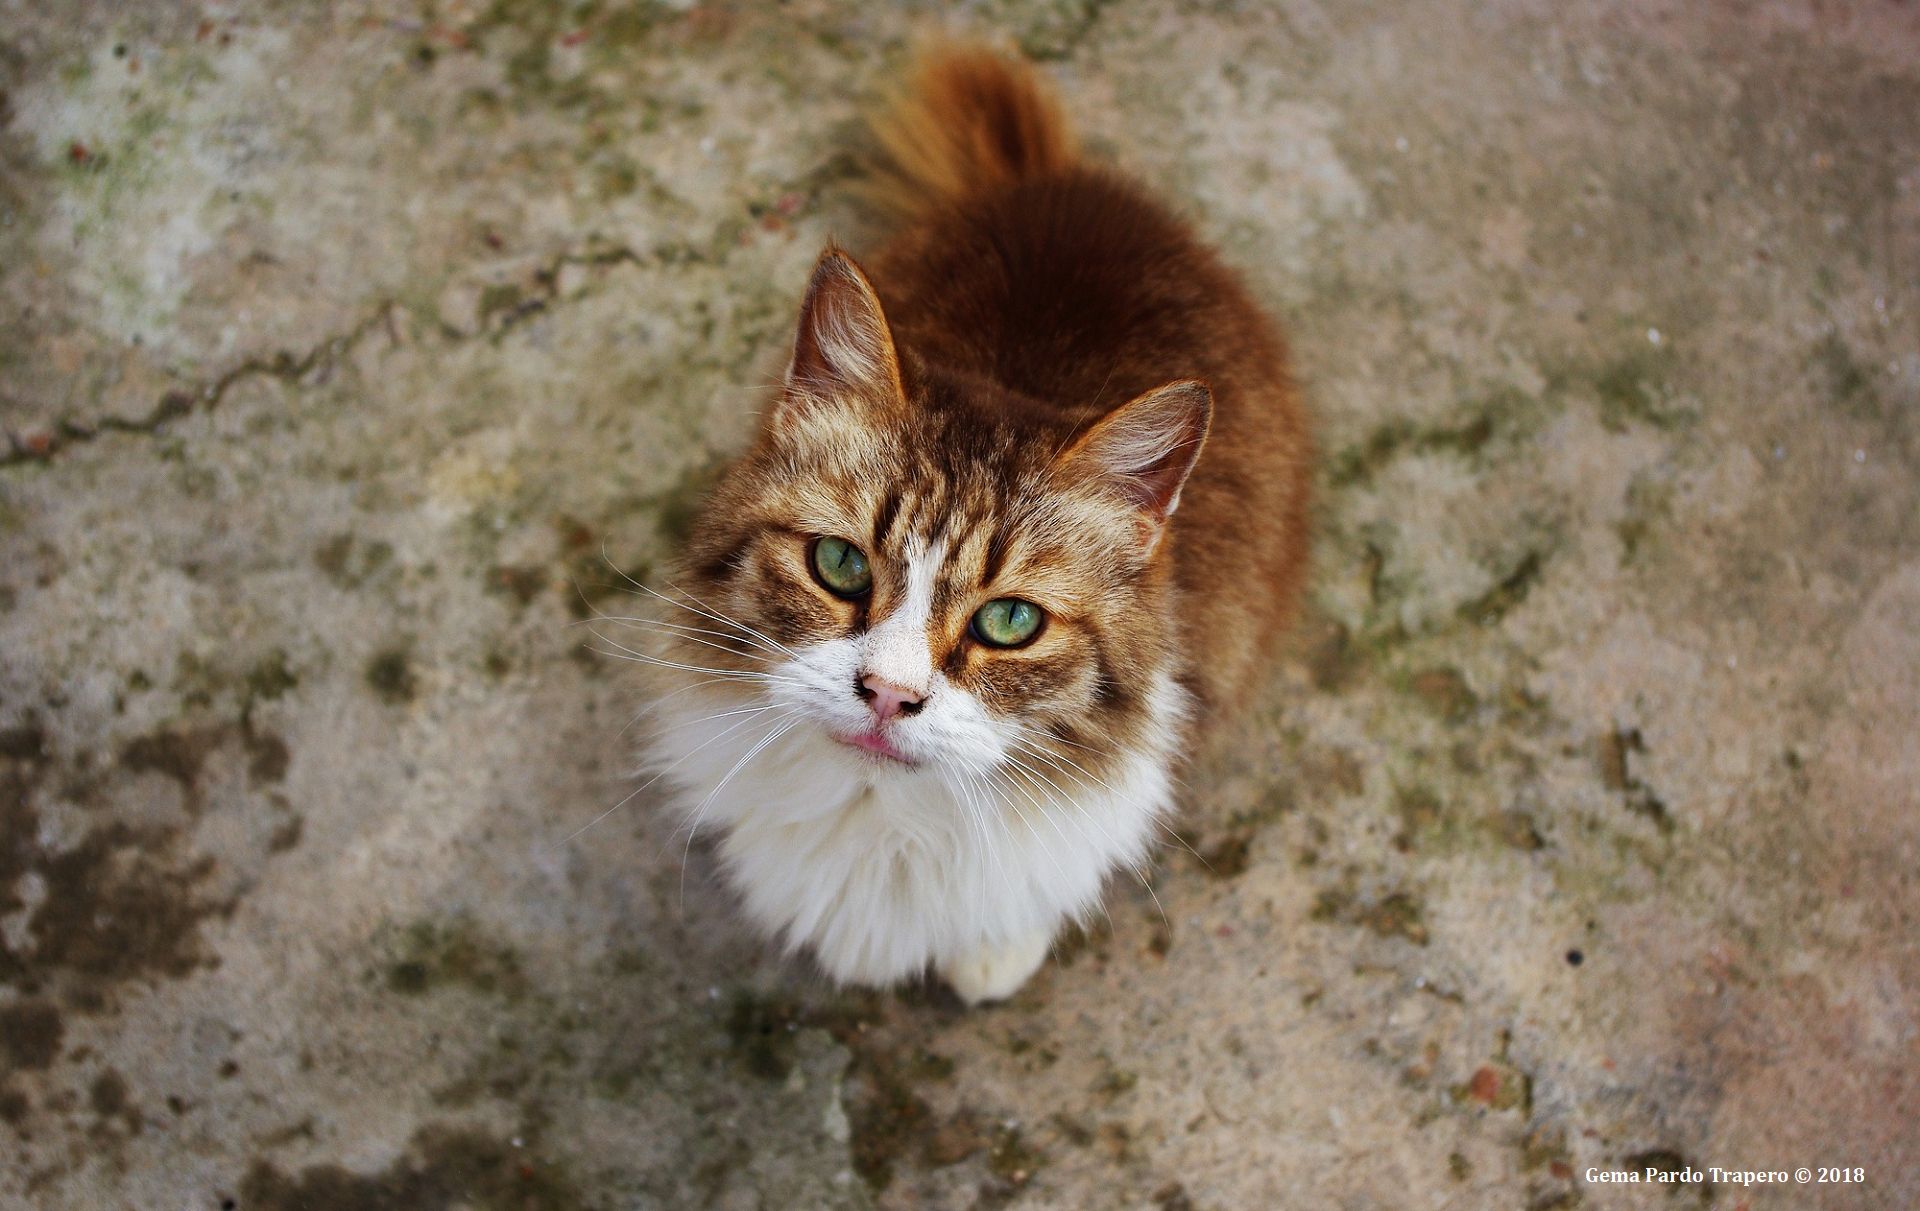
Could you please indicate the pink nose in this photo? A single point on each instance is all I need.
(886, 700)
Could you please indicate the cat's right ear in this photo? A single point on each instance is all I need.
(843, 352)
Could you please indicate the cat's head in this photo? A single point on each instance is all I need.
(932, 574)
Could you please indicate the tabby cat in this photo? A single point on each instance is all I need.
(1025, 511)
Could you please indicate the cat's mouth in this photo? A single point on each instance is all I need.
(874, 744)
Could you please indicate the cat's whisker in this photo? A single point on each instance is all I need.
(786, 713)
(1151, 894)
(782, 725)
(745, 710)
(628, 798)
(1155, 820)
(688, 634)
(1048, 816)
(984, 824)
(751, 388)
(1045, 734)
(687, 723)
(663, 699)
(990, 825)
(1090, 818)
(1174, 833)
(588, 622)
(1037, 782)
(734, 632)
(622, 652)
(977, 819)
(738, 634)
(757, 638)
(692, 823)
(643, 620)
(1040, 784)
(711, 611)
(633, 657)
(966, 809)
(1055, 737)
(944, 767)
(700, 607)
(1066, 765)
(1079, 779)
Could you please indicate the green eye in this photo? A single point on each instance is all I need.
(1006, 622)
(841, 567)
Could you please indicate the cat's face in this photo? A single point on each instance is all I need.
(930, 578)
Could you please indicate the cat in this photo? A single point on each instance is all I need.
(1027, 507)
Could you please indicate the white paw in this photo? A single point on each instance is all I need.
(994, 973)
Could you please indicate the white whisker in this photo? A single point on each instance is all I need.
(649, 782)
(782, 725)
(622, 652)
(978, 820)
(1042, 811)
(1101, 828)
(688, 634)
(1055, 760)
(708, 610)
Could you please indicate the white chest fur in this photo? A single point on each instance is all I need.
(881, 870)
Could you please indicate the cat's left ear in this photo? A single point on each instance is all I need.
(844, 349)
(1144, 450)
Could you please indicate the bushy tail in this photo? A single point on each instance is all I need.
(965, 118)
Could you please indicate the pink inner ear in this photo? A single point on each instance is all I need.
(1146, 448)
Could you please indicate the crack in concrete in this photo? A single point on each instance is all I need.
(546, 279)
(176, 403)
(285, 366)
(289, 368)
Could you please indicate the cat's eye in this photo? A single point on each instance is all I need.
(1006, 622)
(841, 568)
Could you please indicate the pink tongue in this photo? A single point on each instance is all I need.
(874, 742)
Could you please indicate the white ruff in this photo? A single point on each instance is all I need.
(881, 869)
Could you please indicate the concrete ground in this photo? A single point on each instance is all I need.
(350, 354)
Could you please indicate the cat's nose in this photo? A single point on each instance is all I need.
(887, 700)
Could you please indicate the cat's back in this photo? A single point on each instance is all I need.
(1070, 283)
(1074, 286)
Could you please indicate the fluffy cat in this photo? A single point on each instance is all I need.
(1029, 504)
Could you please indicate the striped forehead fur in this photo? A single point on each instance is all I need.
(1009, 527)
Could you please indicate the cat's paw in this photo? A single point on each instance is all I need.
(994, 973)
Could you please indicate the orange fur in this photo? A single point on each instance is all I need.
(965, 118)
(1023, 296)
(1066, 282)
(1043, 391)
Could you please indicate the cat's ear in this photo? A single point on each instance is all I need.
(1144, 450)
(844, 349)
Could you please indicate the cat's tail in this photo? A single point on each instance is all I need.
(966, 117)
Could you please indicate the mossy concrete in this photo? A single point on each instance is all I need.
(352, 353)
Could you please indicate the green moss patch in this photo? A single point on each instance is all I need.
(430, 955)
(444, 1168)
(390, 674)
